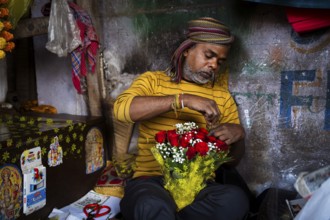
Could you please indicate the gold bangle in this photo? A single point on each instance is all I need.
(177, 101)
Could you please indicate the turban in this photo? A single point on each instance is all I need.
(202, 30)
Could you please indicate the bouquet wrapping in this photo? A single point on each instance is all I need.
(188, 157)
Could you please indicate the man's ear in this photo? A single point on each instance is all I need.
(186, 52)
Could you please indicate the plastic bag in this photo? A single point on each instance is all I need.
(63, 31)
(317, 207)
(17, 10)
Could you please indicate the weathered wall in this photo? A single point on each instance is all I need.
(53, 75)
(142, 35)
(55, 85)
(280, 82)
(278, 79)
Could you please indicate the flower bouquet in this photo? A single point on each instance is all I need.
(188, 157)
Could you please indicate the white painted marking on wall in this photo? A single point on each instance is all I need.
(247, 118)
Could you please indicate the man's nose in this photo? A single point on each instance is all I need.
(213, 63)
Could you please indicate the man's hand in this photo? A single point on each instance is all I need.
(205, 106)
(232, 134)
(229, 133)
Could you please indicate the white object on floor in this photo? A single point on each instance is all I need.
(74, 211)
(317, 207)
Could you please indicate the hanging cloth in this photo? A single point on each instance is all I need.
(87, 51)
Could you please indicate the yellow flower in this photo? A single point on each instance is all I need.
(2, 54)
(3, 43)
(5, 156)
(185, 184)
(1, 26)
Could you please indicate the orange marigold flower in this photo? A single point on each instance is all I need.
(9, 46)
(4, 12)
(7, 35)
(7, 25)
(3, 1)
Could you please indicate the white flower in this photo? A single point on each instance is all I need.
(185, 127)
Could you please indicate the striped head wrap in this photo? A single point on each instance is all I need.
(202, 30)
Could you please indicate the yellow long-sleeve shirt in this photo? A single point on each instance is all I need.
(159, 84)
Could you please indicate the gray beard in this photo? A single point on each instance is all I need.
(191, 76)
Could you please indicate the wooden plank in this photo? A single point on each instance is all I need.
(93, 80)
(31, 27)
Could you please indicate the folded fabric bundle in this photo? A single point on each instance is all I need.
(305, 20)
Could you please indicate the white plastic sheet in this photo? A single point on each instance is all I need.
(317, 207)
(63, 32)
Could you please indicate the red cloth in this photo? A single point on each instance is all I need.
(307, 19)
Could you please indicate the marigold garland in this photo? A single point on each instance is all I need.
(3, 43)
(7, 35)
(4, 12)
(7, 25)
(6, 44)
(2, 54)
(188, 157)
(9, 46)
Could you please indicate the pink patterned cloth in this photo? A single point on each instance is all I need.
(85, 52)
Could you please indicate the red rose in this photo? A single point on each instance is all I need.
(185, 139)
(203, 130)
(212, 139)
(191, 152)
(173, 138)
(201, 135)
(184, 142)
(160, 136)
(201, 148)
(221, 145)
